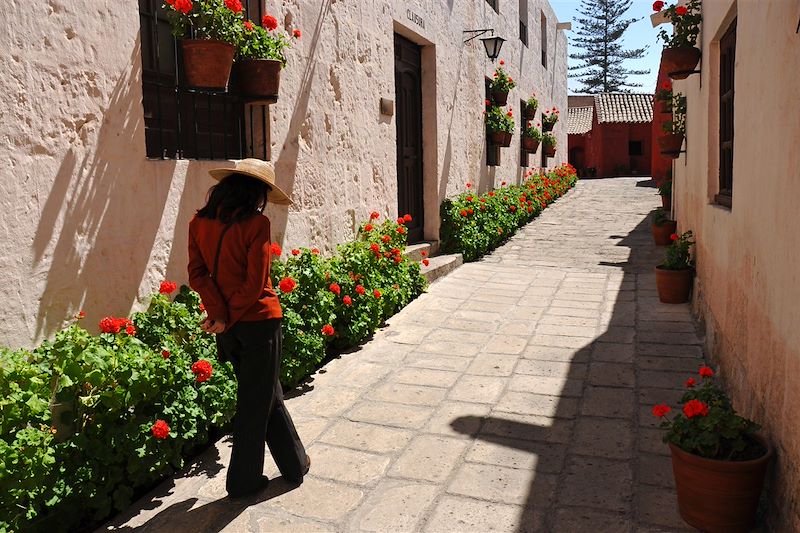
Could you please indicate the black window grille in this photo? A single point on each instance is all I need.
(185, 123)
(727, 62)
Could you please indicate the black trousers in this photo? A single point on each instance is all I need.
(254, 349)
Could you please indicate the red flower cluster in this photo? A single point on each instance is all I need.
(165, 354)
(407, 218)
(376, 293)
(426, 262)
(295, 252)
(347, 300)
(248, 25)
(276, 249)
(374, 215)
(287, 285)
(327, 330)
(690, 383)
(160, 430)
(183, 6)
(376, 249)
(706, 372)
(234, 5)
(694, 408)
(661, 410)
(368, 227)
(658, 5)
(269, 22)
(80, 315)
(674, 237)
(386, 238)
(360, 289)
(296, 33)
(202, 307)
(167, 287)
(335, 289)
(202, 369)
(681, 10)
(315, 251)
(112, 324)
(401, 229)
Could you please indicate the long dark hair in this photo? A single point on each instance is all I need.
(235, 198)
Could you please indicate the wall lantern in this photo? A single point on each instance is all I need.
(491, 44)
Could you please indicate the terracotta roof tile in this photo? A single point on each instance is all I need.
(624, 107)
(579, 120)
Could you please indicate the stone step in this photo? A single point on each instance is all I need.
(414, 251)
(440, 266)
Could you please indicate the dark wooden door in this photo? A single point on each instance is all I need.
(407, 76)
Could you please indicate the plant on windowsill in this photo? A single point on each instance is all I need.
(674, 275)
(209, 31)
(680, 56)
(261, 56)
(529, 111)
(665, 191)
(499, 125)
(531, 137)
(675, 129)
(500, 85)
(549, 144)
(662, 227)
(664, 97)
(549, 119)
(718, 460)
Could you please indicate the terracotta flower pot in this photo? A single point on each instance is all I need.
(661, 233)
(670, 144)
(548, 126)
(679, 62)
(718, 496)
(207, 63)
(673, 285)
(529, 112)
(549, 151)
(501, 138)
(666, 201)
(530, 144)
(259, 78)
(500, 97)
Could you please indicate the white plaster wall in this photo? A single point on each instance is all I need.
(89, 223)
(748, 287)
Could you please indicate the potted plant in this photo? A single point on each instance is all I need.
(549, 144)
(499, 125)
(662, 227)
(531, 137)
(500, 85)
(529, 111)
(674, 275)
(549, 119)
(261, 58)
(665, 191)
(680, 56)
(209, 31)
(675, 129)
(718, 460)
(664, 97)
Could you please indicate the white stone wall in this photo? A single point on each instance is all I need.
(89, 223)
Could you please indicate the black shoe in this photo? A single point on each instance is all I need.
(305, 471)
(259, 486)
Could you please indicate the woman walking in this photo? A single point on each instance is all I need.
(229, 266)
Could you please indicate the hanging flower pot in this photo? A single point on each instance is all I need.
(259, 78)
(529, 110)
(548, 126)
(499, 97)
(207, 63)
(549, 151)
(501, 138)
(530, 144)
(673, 285)
(719, 496)
(680, 61)
(670, 144)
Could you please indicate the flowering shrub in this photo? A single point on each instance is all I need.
(264, 41)
(685, 23)
(475, 224)
(678, 255)
(206, 19)
(707, 425)
(498, 120)
(501, 81)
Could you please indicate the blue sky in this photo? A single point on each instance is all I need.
(640, 33)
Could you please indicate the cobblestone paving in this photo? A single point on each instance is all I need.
(514, 396)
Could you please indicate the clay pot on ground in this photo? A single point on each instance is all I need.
(549, 151)
(530, 144)
(666, 201)
(501, 138)
(662, 232)
(548, 126)
(259, 78)
(670, 144)
(673, 285)
(679, 62)
(718, 496)
(499, 97)
(529, 112)
(207, 63)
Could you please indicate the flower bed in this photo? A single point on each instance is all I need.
(474, 224)
(130, 403)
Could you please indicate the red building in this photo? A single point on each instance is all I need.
(611, 134)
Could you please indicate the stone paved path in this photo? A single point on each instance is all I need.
(514, 396)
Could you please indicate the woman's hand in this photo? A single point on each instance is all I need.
(212, 326)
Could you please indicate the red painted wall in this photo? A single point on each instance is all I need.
(661, 165)
(606, 149)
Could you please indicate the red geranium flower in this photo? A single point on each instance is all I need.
(347, 300)
(386, 238)
(487, 102)
(202, 369)
(694, 408)
(184, 6)
(468, 198)
(400, 220)
(491, 193)
(165, 354)
(160, 429)
(287, 285)
(513, 208)
(470, 211)
(426, 262)
(690, 383)
(167, 287)
(674, 237)
(398, 259)
(130, 329)
(483, 200)
(681, 10)
(248, 25)
(360, 289)
(234, 5)
(469, 185)
(401, 229)
(423, 253)
(295, 252)
(374, 215)
(296, 33)
(706, 372)
(269, 22)
(374, 247)
(658, 5)
(407, 218)
(660, 410)
(276, 249)
(368, 227)
(335, 289)
(502, 62)
(327, 330)
(202, 307)
(80, 315)
(463, 212)
(376, 293)
(315, 251)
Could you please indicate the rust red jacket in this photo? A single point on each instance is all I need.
(245, 290)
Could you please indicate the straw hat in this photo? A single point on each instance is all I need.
(260, 170)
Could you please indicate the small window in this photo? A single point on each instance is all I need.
(493, 4)
(635, 148)
(523, 22)
(727, 62)
(544, 41)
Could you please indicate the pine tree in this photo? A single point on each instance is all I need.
(602, 54)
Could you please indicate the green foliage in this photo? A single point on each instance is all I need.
(660, 217)
(678, 123)
(678, 255)
(548, 139)
(532, 131)
(532, 104)
(499, 120)
(665, 189)
(664, 93)
(207, 19)
(709, 426)
(501, 81)
(474, 224)
(260, 43)
(685, 27)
